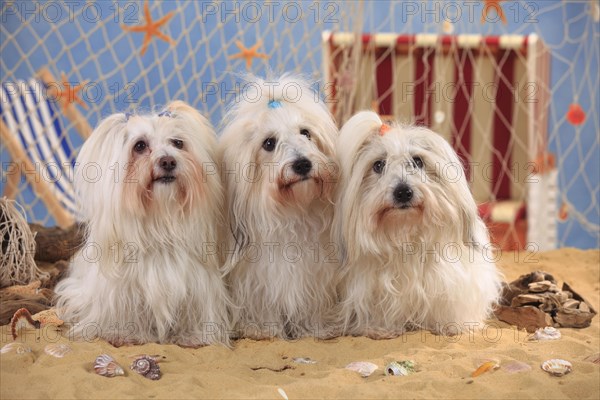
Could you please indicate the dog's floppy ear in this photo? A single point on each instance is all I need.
(355, 132)
(474, 231)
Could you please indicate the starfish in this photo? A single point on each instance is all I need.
(493, 5)
(70, 93)
(151, 28)
(248, 53)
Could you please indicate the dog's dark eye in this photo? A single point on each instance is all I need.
(269, 144)
(418, 162)
(378, 166)
(177, 143)
(140, 146)
(305, 132)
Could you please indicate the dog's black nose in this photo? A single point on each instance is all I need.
(167, 163)
(403, 193)
(302, 166)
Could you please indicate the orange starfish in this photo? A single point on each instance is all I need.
(493, 5)
(151, 28)
(71, 93)
(248, 53)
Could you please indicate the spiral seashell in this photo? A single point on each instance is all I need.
(400, 368)
(146, 366)
(105, 365)
(57, 350)
(16, 347)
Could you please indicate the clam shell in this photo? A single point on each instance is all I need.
(303, 360)
(364, 368)
(57, 350)
(513, 367)
(400, 368)
(547, 333)
(557, 367)
(16, 347)
(146, 366)
(105, 365)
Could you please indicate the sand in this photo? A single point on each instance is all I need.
(445, 364)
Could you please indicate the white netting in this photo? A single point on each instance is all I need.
(88, 43)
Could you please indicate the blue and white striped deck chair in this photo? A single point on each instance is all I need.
(35, 137)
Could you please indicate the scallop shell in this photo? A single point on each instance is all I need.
(16, 347)
(57, 350)
(557, 367)
(364, 368)
(400, 368)
(547, 333)
(105, 365)
(146, 366)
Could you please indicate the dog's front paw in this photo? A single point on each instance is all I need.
(191, 342)
(117, 341)
(379, 334)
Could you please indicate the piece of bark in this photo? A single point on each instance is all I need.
(528, 317)
(54, 244)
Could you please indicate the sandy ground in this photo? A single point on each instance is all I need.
(445, 363)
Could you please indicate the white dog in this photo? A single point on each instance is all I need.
(151, 198)
(414, 247)
(277, 149)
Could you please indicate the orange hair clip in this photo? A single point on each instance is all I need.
(384, 128)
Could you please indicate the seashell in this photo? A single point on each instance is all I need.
(48, 317)
(574, 304)
(541, 286)
(283, 394)
(594, 358)
(16, 347)
(526, 299)
(516, 366)
(22, 319)
(364, 368)
(303, 360)
(105, 365)
(485, 367)
(584, 307)
(400, 368)
(57, 350)
(547, 333)
(557, 367)
(147, 367)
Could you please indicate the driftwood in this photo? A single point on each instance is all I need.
(55, 244)
(535, 301)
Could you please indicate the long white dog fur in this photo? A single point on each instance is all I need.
(416, 254)
(151, 198)
(277, 149)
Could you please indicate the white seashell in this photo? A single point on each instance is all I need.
(364, 368)
(547, 333)
(282, 393)
(57, 350)
(303, 360)
(516, 366)
(16, 347)
(557, 367)
(105, 365)
(400, 368)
